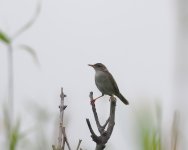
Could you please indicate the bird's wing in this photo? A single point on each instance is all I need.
(114, 84)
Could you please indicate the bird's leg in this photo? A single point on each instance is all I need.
(112, 96)
(93, 100)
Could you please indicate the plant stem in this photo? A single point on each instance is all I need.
(10, 83)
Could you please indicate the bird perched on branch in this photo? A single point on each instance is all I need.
(106, 83)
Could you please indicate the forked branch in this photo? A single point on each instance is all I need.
(105, 134)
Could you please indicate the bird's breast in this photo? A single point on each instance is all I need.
(103, 83)
(100, 76)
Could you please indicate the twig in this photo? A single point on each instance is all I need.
(100, 128)
(104, 134)
(65, 138)
(106, 123)
(79, 142)
(62, 138)
(93, 135)
(61, 107)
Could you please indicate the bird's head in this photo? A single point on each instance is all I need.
(99, 67)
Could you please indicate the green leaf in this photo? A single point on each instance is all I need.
(4, 38)
(31, 51)
(15, 136)
(13, 133)
(6, 120)
(29, 23)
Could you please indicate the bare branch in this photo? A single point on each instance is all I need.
(79, 142)
(63, 147)
(106, 123)
(61, 120)
(93, 135)
(104, 134)
(65, 138)
(100, 128)
(112, 117)
(62, 136)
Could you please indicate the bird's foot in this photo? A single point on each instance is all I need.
(111, 98)
(92, 102)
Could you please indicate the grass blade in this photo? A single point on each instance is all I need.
(29, 23)
(31, 51)
(15, 136)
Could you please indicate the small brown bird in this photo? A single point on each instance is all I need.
(106, 83)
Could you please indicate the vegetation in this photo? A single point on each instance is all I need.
(12, 128)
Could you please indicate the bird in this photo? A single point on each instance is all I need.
(106, 83)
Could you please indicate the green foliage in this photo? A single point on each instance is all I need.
(148, 125)
(4, 38)
(149, 132)
(7, 120)
(15, 136)
(12, 131)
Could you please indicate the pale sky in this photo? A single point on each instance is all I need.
(134, 39)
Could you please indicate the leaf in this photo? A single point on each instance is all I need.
(31, 51)
(6, 119)
(4, 38)
(15, 136)
(29, 23)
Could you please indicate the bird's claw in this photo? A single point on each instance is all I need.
(92, 102)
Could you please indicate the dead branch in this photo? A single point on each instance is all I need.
(104, 134)
(79, 142)
(62, 137)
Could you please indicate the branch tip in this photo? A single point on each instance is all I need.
(64, 107)
(79, 142)
(91, 95)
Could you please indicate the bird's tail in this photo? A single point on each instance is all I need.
(122, 99)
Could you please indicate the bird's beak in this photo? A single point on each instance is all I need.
(90, 65)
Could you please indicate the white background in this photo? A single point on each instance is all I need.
(135, 39)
